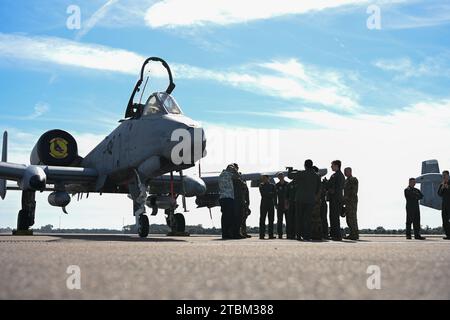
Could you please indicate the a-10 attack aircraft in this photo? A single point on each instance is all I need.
(429, 181)
(137, 159)
(127, 161)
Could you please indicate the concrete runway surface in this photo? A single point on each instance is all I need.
(205, 267)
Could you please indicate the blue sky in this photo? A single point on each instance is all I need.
(305, 67)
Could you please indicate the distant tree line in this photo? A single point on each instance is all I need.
(199, 229)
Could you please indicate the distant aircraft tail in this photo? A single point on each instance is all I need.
(4, 159)
(429, 184)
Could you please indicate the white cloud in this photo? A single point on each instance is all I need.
(430, 14)
(174, 13)
(40, 109)
(432, 66)
(69, 53)
(288, 79)
(95, 18)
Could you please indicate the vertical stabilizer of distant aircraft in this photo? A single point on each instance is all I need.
(430, 166)
(4, 159)
(429, 184)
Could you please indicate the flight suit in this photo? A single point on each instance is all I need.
(227, 203)
(267, 208)
(290, 216)
(246, 211)
(413, 195)
(280, 203)
(335, 188)
(316, 221)
(239, 187)
(351, 206)
(445, 194)
(308, 188)
(324, 209)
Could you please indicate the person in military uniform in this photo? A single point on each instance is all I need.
(335, 188)
(290, 216)
(316, 221)
(280, 202)
(324, 209)
(351, 203)
(244, 209)
(244, 233)
(267, 207)
(240, 202)
(413, 195)
(444, 192)
(226, 200)
(308, 188)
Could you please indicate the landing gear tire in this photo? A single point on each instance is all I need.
(144, 226)
(180, 223)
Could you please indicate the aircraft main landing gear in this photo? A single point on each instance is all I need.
(138, 192)
(144, 226)
(177, 223)
(25, 218)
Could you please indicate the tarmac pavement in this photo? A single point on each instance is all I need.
(206, 267)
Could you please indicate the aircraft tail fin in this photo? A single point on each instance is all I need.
(4, 159)
(429, 185)
(430, 166)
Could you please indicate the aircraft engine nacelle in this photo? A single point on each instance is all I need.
(59, 199)
(55, 148)
(33, 179)
(208, 200)
(161, 202)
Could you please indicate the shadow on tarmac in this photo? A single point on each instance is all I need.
(101, 237)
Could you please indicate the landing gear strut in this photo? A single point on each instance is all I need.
(25, 218)
(138, 192)
(176, 223)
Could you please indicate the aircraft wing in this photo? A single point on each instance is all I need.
(54, 175)
(212, 181)
(66, 175)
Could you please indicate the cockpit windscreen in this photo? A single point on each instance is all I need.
(169, 103)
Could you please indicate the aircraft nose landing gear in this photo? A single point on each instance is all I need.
(177, 224)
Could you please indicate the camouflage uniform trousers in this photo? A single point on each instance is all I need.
(351, 218)
(243, 228)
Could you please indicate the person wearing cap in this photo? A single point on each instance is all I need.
(267, 206)
(280, 203)
(335, 188)
(241, 201)
(308, 191)
(226, 200)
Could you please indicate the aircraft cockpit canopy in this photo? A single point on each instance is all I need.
(169, 103)
(161, 103)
